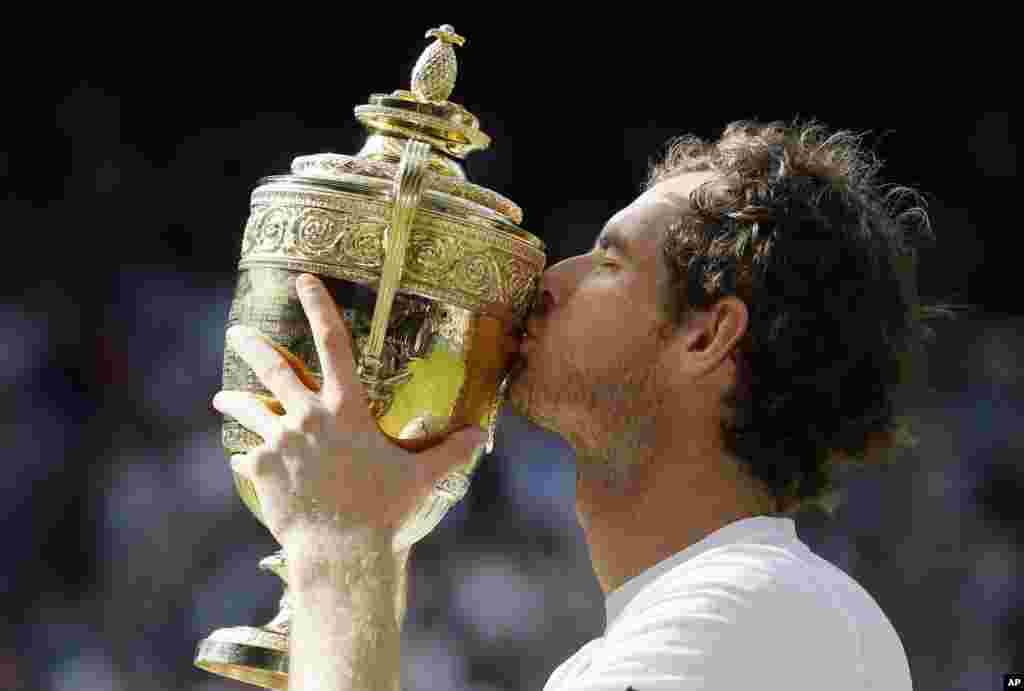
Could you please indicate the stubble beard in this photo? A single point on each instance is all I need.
(609, 417)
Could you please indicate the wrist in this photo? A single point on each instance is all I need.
(320, 556)
(343, 588)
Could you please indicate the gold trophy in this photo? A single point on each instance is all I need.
(433, 275)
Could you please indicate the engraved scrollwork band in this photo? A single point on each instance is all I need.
(341, 234)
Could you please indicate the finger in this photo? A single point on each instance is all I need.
(251, 412)
(270, 402)
(242, 464)
(298, 366)
(461, 448)
(254, 466)
(333, 341)
(270, 367)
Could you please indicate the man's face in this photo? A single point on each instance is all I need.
(594, 371)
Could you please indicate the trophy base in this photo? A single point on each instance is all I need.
(247, 654)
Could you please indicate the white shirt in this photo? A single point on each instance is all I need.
(748, 607)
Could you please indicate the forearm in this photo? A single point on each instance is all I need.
(347, 594)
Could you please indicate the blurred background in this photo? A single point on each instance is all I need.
(124, 541)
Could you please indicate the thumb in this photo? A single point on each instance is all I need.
(461, 448)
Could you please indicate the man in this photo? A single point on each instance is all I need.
(737, 329)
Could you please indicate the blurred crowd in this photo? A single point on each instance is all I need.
(126, 542)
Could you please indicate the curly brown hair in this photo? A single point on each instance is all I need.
(795, 224)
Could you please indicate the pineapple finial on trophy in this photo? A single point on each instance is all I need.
(433, 77)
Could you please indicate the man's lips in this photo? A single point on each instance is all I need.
(526, 338)
(517, 367)
(516, 340)
(526, 343)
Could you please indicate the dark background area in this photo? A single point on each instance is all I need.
(127, 174)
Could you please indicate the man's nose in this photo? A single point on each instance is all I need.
(558, 283)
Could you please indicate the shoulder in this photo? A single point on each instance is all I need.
(732, 593)
(756, 609)
(756, 579)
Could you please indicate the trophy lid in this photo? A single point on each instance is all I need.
(425, 112)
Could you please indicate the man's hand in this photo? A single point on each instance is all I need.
(324, 465)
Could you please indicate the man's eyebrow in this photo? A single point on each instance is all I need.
(611, 238)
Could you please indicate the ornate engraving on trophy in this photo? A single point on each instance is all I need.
(318, 231)
(448, 258)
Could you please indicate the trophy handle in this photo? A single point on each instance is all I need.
(408, 189)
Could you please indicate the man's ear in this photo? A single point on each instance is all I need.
(710, 335)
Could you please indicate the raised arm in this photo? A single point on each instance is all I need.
(334, 491)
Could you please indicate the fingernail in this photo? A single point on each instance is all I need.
(306, 283)
(236, 464)
(238, 333)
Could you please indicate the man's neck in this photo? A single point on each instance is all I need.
(661, 508)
